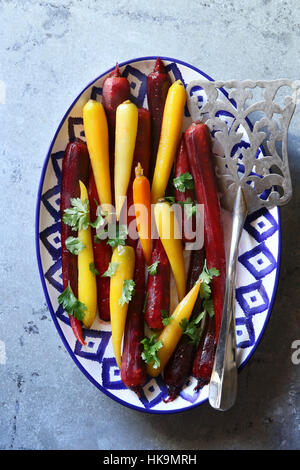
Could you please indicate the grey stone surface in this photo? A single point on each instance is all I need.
(49, 52)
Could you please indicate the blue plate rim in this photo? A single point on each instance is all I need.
(39, 261)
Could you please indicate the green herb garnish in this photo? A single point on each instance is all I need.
(128, 291)
(74, 245)
(149, 355)
(206, 277)
(165, 317)
(77, 216)
(120, 236)
(145, 303)
(152, 269)
(112, 267)
(93, 270)
(72, 305)
(183, 182)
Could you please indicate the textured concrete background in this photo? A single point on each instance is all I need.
(48, 52)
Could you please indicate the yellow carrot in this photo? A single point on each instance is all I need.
(126, 130)
(169, 233)
(125, 259)
(96, 134)
(170, 133)
(87, 288)
(142, 203)
(171, 334)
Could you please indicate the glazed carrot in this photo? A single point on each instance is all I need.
(115, 90)
(158, 287)
(96, 133)
(102, 255)
(171, 334)
(169, 233)
(142, 152)
(124, 258)
(87, 289)
(170, 133)
(142, 203)
(179, 367)
(182, 169)
(126, 130)
(205, 354)
(198, 144)
(133, 368)
(158, 83)
(75, 167)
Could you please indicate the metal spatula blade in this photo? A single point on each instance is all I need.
(248, 178)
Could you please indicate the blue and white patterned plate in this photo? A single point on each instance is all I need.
(257, 270)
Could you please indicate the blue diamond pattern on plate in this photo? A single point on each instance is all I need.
(261, 224)
(253, 298)
(111, 374)
(259, 261)
(153, 392)
(244, 332)
(97, 342)
(138, 84)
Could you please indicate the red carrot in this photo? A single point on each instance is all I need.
(158, 83)
(198, 145)
(102, 255)
(116, 89)
(133, 368)
(181, 168)
(75, 167)
(180, 365)
(158, 288)
(204, 358)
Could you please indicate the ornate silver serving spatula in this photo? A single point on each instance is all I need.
(249, 178)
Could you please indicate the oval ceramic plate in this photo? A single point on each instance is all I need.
(257, 270)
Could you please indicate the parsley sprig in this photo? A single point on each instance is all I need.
(93, 269)
(152, 269)
(77, 216)
(128, 291)
(166, 320)
(193, 328)
(112, 268)
(183, 182)
(151, 347)
(74, 245)
(71, 304)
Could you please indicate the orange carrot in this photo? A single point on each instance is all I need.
(142, 204)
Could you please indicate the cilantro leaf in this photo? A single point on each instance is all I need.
(74, 245)
(98, 222)
(112, 267)
(183, 182)
(170, 199)
(152, 269)
(128, 291)
(93, 269)
(149, 354)
(145, 303)
(165, 317)
(192, 328)
(208, 306)
(120, 236)
(77, 216)
(206, 277)
(72, 305)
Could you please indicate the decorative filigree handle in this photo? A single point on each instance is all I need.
(265, 179)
